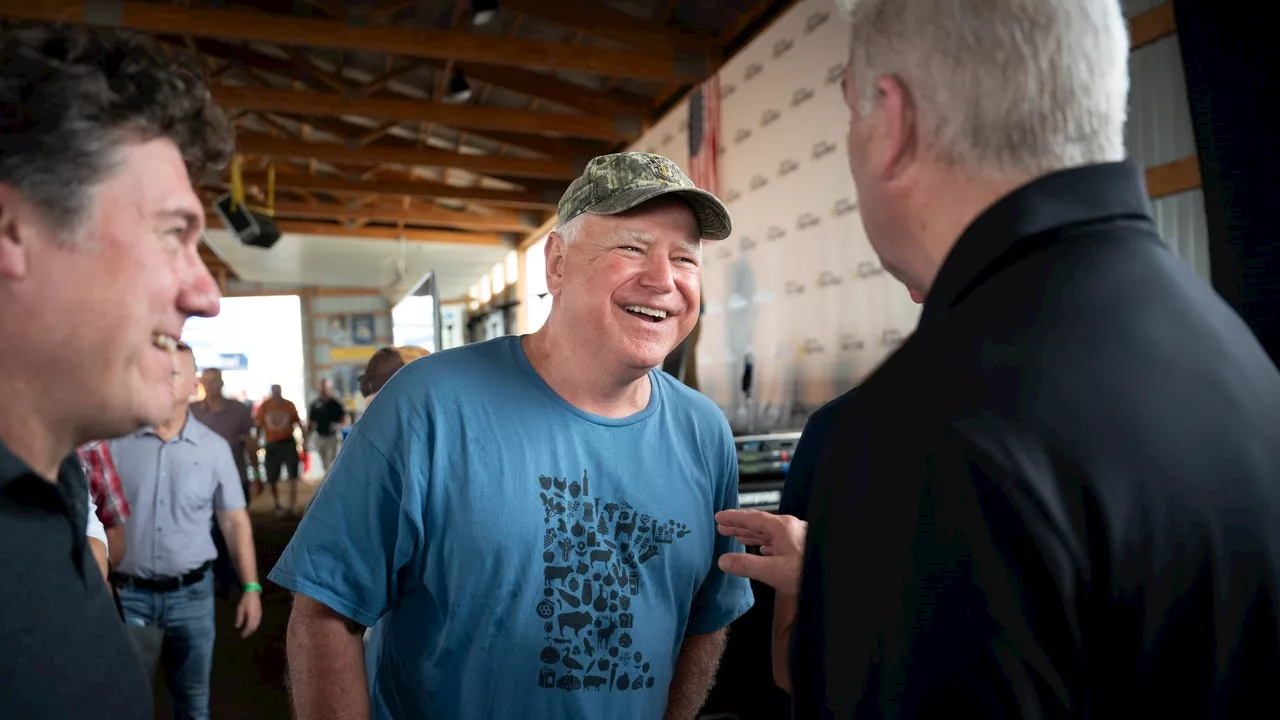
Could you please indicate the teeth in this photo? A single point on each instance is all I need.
(164, 342)
(652, 312)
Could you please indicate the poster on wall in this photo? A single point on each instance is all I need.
(351, 337)
(361, 329)
(339, 331)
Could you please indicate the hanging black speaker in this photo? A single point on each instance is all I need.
(250, 227)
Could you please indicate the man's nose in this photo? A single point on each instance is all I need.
(199, 295)
(658, 273)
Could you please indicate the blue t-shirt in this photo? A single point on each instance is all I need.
(522, 558)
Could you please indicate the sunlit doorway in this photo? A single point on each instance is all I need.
(257, 343)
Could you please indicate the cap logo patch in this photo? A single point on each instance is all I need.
(663, 169)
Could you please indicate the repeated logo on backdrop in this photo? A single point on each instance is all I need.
(796, 240)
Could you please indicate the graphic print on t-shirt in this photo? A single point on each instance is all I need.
(593, 550)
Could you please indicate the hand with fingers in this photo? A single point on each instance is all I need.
(781, 542)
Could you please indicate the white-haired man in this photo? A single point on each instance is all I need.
(528, 522)
(1077, 515)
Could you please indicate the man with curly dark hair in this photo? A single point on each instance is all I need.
(101, 137)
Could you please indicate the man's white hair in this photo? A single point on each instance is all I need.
(569, 230)
(1000, 86)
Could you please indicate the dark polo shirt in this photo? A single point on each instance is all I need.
(63, 648)
(1061, 497)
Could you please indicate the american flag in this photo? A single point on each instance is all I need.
(704, 135)
(704, 171)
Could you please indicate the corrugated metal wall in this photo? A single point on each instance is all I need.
(1159, 131)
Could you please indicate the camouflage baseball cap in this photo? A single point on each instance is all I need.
(615, 183)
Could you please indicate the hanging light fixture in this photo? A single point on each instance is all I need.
(459, 89)
(483, 11)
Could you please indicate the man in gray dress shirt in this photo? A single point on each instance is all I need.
(178, 476)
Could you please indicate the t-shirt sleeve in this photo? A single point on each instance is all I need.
(229, 495)
(363, 528)
(723, 598)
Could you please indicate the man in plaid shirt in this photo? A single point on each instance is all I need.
(105, 490)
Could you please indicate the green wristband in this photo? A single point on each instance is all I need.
(252, 587)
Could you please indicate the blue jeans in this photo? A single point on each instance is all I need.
(186, 615)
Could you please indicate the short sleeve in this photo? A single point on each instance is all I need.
(94, 528)
(229, 494)
(357, 535)
(722, 598)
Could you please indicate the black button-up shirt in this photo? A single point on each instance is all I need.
(63, 648)
(1061, 496)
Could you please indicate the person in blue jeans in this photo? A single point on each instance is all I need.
(179, 476)
(528, 523)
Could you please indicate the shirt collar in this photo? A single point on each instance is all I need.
(1067, 197)
(190, 432)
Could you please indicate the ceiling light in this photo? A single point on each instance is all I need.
(459, 89)
(483, 11)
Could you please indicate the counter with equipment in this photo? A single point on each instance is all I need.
(763, 461)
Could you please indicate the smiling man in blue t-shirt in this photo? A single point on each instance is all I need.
(528, 523)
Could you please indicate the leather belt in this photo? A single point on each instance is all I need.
(162, 584)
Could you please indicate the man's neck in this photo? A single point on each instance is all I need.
(27, 427)
(170, 428)
(950, 205)
(583, 382)
(214, 402)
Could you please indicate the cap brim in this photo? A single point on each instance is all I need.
(711, 214)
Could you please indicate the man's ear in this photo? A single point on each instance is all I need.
(899, 129)
(554, 254)
(16, 230)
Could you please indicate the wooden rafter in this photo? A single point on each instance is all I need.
(410, 42)
(308, 102)
(412, 214)
(1149, 26)
(266, 146)
(299, 227)
(602, 21)
(416, 188)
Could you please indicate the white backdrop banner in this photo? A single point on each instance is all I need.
(797, 289)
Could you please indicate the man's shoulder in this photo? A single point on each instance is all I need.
(467, 366)
(204, 436)
(689, 405)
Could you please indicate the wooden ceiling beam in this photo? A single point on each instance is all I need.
(1154, 24)
(307, 102)
(409, 42)
(416, 188)
(503, 221)
(354, 153)
(600, 20)
(387, 9)
(385, 79)
(548, 87)
(551, 147)
(299, 227)
(529, 83)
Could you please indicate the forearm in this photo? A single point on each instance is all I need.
(326, 664)
(99, 551)
(238, 531)
(115, 545)
(695, 671)
(785, 608)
